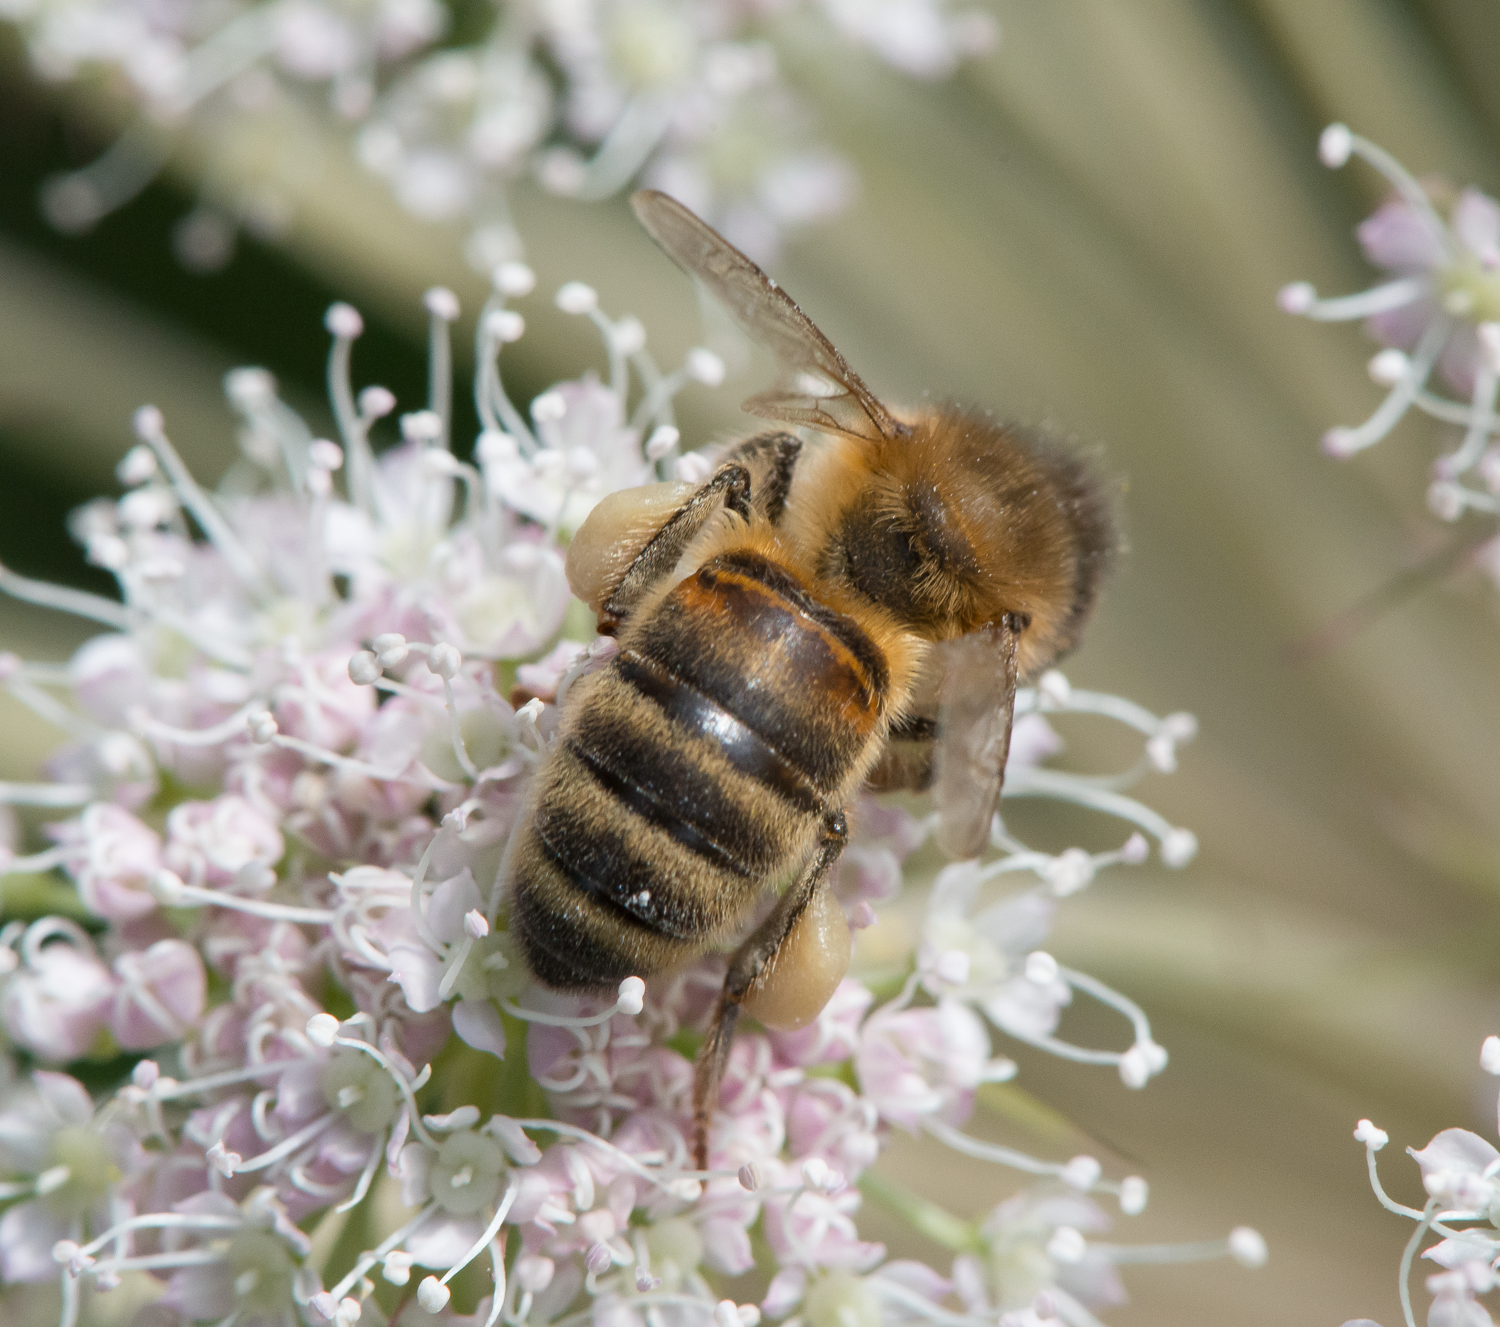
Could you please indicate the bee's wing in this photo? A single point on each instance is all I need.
(978, 700)
(821, 390)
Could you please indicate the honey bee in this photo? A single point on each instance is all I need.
(801, 625)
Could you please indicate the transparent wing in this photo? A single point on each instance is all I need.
(820, 389)
(973, 740)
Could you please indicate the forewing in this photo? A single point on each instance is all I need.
(821, 390)
(978, 700)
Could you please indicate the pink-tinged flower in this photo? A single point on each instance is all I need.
(824, 1118)
(1036, 1242)
(1439, 311)
(112, 857)
(56, 1002)
(833, 1035)
(816, 1229)
(540, 679)
(314, 700)
(919, 1062)
(994, 942)
(160, 997)
(213, 842)
(1460, 1170)
(109, 677)
(255, 1275)
(1454, 1302)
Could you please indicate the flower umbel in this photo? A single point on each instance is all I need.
(291, 768)
(1437, 313)
(587, 97)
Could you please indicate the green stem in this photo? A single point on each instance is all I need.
(927, 1217)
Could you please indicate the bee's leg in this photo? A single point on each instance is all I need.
(771, 459)
(728, 487)
(906, 763)
(746, 964)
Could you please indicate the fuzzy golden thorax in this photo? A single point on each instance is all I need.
(956, 524)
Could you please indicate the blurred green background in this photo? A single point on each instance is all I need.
(1087, 227)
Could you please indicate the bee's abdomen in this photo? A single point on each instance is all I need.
(693, 771)
(740, 653)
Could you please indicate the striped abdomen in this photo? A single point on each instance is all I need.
(692, 772)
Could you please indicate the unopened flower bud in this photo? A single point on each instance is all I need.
(364, 669)
(322, 1029)
(1179, 847)
(376, 402)
(704, 366)
(1388, 367)
(504, 325)
(1371, 1135)
(444, 660)
(1067, 1245)
(1339, 443)
(629, 335)
(138, 465)
(534, 1272)
(577, 298)
(661, 442)
(1082, 1173)
(1335, 144)
(262, 726)
(148, 423)
(1041, 968)
(1134, 1071)
(167, 888)
(441, 303)
(632, 996)
(1296, 298)
(390, 648)
(1054, 688)
(1247, 1247)
(343, 321)
(514, 279)
(1489, 1055)
(549, 407)
(421, 427)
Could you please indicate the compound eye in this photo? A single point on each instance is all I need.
(800, 976)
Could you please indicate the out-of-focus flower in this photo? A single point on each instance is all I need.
(1438, 312)
(587, 96)
(1461, 1174)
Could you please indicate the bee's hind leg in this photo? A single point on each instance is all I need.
(728, 487)
(802, 916)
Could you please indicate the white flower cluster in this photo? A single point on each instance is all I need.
(1461, 1173)
(289, 771)
(1437, 313)
(585, 96)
